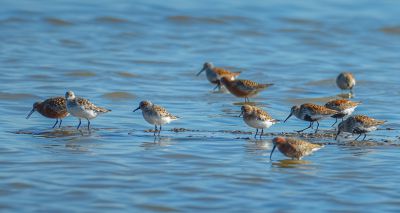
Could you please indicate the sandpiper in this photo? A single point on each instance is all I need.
(359, 124)
(294, 148)
(312, 113)
(51, 108)
(83, 108)
(155, 115)
(243, 88)
(346, 81)
(257, 118)
(215, 73)
(343, 106)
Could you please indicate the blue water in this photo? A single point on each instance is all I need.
(117, 53)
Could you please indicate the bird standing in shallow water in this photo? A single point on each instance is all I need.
(155, 115)
(359, 124)
(215, 73)
(294, 148)
(51, 108)
(257, 118)
(243, 88)
(83, 108)
(312, 113)
(343, 106)
(346, 81)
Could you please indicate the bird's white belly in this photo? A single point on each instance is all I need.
(164, 120)
(258, 124)
(155, 119)
(349, 111)
(368, 129)
(80, 112)
(149, 118)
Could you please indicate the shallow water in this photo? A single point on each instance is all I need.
(117, 54)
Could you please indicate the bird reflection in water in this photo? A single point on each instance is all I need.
(288, 163)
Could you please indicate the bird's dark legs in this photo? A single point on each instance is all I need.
(155, 130)
(246, 99)
(335, 122)
(337, 134)
(262, 131)
(311, 123)
(358, 136)
(218, 86)
(55, 124)
(60, 123)
(365, 135)
(256, 133)
(79, 124)
(316, 130)
(159, 131)
(88, 125)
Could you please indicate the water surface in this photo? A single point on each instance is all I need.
(119, 53)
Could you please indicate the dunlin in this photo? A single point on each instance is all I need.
(359, 124)
(312, 113)
(343, 106)
(294, 148)
(215, 73)
(243, 88)
(257, 118)
(51, 108)
(83, 108)
(155, 115)
(346, 81)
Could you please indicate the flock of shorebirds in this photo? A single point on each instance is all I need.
(60, 107)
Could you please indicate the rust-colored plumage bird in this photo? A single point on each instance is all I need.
(343, 106)
(243, 88)
(294, 148)
(51, 108)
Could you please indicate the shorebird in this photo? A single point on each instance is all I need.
(343, 106)
(312, 113)
(83, 108)
(359, 124)
(243, 88)
(215, 73)
(155, 115)
(51, 108)
(294, 148)
(346, 81)
(257, 118)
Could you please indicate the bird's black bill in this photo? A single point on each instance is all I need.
(241, 113)
(30, 113)
(200, 72)
(288, 117)
(273, 149)
(136, 109)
